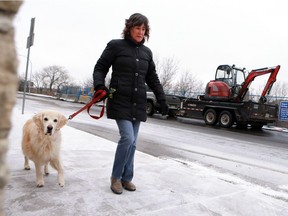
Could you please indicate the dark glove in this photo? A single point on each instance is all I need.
(163, 108)
(101, 87)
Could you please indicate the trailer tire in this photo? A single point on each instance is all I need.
(210, 117)
(149, 108)
(225, 119)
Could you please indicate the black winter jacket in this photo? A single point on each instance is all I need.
(132, 67)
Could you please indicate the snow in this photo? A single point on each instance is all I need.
(165, 186)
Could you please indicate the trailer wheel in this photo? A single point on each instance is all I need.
(210, 117)
(150, 108)
(225, 119)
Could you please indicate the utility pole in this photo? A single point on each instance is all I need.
(30, 41)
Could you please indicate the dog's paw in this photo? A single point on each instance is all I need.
(46, 170)
(61, 182)
(26, 166)
(40, 184)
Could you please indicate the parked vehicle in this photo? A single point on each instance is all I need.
(224, 100)
(173, 102)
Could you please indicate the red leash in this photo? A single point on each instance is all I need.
(97, 97)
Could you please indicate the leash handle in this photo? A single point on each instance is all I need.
(97, 97)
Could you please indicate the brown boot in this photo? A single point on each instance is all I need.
(116, 186)
(128, 186)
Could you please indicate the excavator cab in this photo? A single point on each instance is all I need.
(231, 83)
(227, 84)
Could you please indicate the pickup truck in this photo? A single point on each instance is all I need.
(173, 102)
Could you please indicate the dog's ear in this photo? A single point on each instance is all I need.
(62, 121)
(38, 120)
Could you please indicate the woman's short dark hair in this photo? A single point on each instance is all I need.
(136, 19)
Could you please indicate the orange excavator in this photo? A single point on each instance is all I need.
(231, 83)
(224, 100)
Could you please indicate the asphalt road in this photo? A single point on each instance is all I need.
(267, 137)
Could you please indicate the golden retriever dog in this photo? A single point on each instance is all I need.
(41, 144)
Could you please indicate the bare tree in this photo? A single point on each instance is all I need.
(54, 77)
(188, 84)
(279, 89)
(284, 91)
(167, 71)
(157, 64)
(37, 79)
(87, 83)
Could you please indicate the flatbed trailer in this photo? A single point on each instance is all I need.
(228, 113)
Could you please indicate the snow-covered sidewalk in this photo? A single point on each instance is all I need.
(165, 186)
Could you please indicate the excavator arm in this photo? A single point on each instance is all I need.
(259, 72)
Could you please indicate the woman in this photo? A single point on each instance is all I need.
(132, 68)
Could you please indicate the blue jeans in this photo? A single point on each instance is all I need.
(123, 166)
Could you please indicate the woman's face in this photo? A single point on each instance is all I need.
(137, 33)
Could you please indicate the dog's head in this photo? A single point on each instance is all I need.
(50, 121)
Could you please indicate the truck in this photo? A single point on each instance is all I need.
(225, 99)
(173, 103)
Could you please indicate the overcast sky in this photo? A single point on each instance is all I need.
(200, 35)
